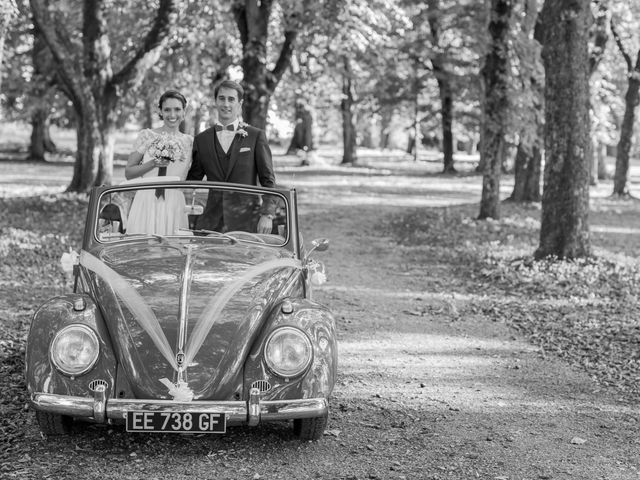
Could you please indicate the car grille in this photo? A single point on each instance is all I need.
(94, 384)
(261, 385)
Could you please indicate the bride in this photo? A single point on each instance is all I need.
(154, 210)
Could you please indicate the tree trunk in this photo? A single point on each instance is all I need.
(252, 20)
(92, 167)
(599, 36)
(446, 110)
(564, 229)
(36, 145)
(40, 136)
(528, 164)
(526, 187)
(346, 107)
(6, 15)
(601, 150)
(42, 80)
(3, 34)
(621, 176)
(411, 143)
(92, 86)
(444, 87)
(385, 126)
(149, 112)
(197, 120)
(495, 74)
(631, 99)
(417, 87)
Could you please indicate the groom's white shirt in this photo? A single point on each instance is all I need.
(225, 137)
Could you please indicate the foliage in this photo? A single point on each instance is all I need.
(382, 38)
(460, 41)
(199, 53)
(585, 311)
(526, 68)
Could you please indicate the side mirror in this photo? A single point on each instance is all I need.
(319, 244)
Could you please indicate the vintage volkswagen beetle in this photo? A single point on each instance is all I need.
(192, 331)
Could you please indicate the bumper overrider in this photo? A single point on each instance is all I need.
(101, 409)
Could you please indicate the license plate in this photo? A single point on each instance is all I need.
(176, 422)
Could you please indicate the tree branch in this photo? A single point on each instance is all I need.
(240, 14)
(618, 40)
(95, 42)
(284, 60)
(134, 69)
(58, 45)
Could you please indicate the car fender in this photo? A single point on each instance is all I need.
(40, 373)
(319, 378)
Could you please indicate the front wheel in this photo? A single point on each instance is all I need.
(309, 428)
(52, 424)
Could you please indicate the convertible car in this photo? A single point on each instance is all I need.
(193, 330)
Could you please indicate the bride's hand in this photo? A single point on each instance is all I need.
(160, 162)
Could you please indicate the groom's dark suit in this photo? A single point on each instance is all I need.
(248, 160)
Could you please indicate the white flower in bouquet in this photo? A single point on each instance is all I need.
(167, 148)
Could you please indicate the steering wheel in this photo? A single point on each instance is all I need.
(253, 236)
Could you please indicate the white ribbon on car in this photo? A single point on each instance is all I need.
(134, 302)
(214, 307)
(150, 324)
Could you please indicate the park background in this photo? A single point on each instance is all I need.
(459, 219)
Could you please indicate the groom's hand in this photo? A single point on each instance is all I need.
(265, 224)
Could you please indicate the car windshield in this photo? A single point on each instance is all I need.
(219, 212)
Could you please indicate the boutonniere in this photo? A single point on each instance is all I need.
(241, 129)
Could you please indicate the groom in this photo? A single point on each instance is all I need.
(236, 153)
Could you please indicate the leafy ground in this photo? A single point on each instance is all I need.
(460, 357)
(586, 311)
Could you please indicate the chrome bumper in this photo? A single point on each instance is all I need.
(100, 409)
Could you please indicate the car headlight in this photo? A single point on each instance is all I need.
(75, 349)
(288, 352)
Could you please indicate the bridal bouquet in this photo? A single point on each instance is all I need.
(167, 148)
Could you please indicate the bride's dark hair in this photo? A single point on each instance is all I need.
(171, 94)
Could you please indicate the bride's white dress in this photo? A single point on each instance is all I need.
(161, 216)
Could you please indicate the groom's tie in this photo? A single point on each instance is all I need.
(219, 127)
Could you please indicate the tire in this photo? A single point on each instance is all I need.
(52, 424)
(309, 428)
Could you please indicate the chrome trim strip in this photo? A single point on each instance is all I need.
(183, 309)
(184, 295)
(237, 412)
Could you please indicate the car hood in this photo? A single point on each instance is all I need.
(229, 291)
